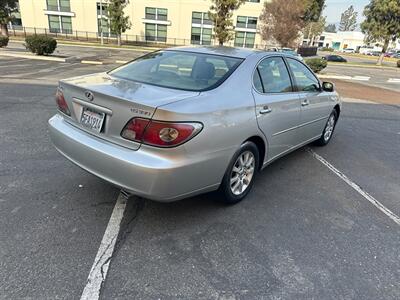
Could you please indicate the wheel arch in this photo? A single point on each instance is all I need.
(262, 148)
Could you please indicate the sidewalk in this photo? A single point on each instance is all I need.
(360, 91)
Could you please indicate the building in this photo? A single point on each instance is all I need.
(349, 39)
(179, 22)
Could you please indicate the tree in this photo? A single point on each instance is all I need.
(282, 20)
(331, 28)
(7, 8)
(313, 10)
(313, 29)
(119, 23)
(221, 12)
(382, 23)
(348, 21)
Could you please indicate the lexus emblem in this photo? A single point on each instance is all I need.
(89, 95)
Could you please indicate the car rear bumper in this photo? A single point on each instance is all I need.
(143, 172)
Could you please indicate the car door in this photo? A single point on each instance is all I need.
(277, 105)
(316, 105)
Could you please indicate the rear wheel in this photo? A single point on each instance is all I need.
(328, 130)
(239, 177)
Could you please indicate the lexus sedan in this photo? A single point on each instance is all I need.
(184, 121)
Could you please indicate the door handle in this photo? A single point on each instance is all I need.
(305, 102)
(265, 110)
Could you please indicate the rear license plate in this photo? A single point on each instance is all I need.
(92, 119)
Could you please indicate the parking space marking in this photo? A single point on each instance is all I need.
(394, 80)
(356, 187)
(99, 270)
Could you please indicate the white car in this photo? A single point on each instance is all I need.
(349, 50)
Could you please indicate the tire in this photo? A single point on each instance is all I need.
(245, 174)
(327, 134)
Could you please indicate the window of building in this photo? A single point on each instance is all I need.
(156, 32)
(16, 22)
(59, 5)
(201, 36)
(201, 28)
(153, 13)
(246, 22)
(103, 24)
(60, 24)
(272, 76)
(245, 39)
(201, 18)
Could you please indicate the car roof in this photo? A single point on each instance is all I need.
(219, 50)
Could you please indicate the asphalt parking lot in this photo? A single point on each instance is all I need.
(303, 233)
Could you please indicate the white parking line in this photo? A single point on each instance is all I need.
(101, 263)
(394, 80)
(361, 78)
(356, 187)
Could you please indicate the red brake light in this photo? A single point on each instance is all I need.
(160, 134)
(62, 104)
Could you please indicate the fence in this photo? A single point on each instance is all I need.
(126, 39)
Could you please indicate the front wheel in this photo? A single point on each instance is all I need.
(328, 130)
(239, 177)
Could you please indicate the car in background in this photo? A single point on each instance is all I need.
(349, 50)
(334, 58)
(291, 52)
(184, 121)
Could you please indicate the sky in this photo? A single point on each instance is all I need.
(334, 9)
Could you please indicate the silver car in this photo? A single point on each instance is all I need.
(184, 121)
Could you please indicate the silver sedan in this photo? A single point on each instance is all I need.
(184, 121)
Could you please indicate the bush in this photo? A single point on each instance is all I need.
(316, 64)
(398, 63)
(3, 41)
(327, 49)
(40, 44)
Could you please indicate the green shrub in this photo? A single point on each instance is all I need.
(40, 44)
(327, 49)
(398, 63)
(316, 64)
(3, 41)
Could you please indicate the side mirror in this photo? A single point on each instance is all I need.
(328, 87)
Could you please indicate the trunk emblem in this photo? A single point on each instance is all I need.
(89, 95)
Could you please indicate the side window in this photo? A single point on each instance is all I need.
(305, 79)
(274, 76)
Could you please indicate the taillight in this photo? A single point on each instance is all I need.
(160, 134)
(62, 104)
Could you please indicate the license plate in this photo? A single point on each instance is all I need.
(92, 119)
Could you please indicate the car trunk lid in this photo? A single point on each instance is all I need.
(115, 101)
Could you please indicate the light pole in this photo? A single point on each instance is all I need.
(101, 23)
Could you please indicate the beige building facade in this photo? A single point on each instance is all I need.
(178, 22)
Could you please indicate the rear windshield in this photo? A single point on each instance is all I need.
(179, 70)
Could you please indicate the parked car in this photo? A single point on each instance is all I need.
(334, 58)
(349, 50)
(291, 52)
(184, 121)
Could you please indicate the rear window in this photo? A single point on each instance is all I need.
(179, 70)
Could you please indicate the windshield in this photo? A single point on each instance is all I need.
(179, 70)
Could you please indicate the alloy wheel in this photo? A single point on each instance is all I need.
(242, 173)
